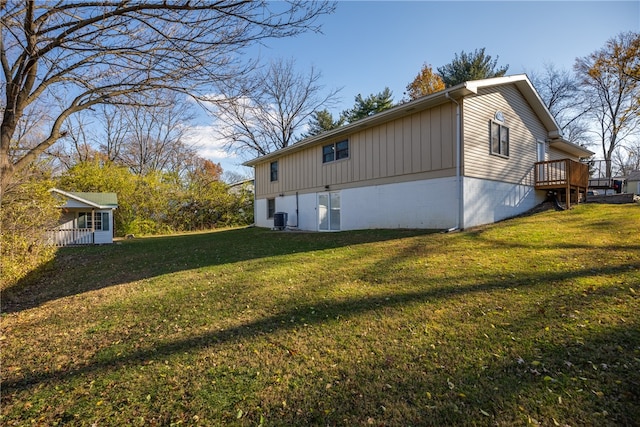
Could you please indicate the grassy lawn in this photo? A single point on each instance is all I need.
(534, 320)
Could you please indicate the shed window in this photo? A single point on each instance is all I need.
(336, 151)
(499, 135)
(85, 220)
(274, 171)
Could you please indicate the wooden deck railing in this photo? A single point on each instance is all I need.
(561, 174)
(567, 175)
(71, 236)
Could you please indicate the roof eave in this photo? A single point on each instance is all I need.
(570, 147)
(526, 88)
(82, 200)
(521, 81)
(396, 112)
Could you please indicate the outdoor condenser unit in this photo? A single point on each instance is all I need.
(280, 220)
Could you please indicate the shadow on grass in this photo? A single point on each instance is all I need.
(344, 310)
(76, 270)
(498, 393)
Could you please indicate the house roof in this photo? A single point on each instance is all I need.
(241, 183)
(521, 81)
(96, 200)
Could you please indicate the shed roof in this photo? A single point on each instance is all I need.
(97, 200)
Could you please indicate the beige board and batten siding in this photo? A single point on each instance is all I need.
(525, 129)
(418, 146)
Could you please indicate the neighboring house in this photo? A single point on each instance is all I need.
(245, 185)
(87, 218)
(633, 182)
(472, 154)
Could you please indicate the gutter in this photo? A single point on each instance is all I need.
(459, 193)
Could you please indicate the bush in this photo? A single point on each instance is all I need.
(28, 210)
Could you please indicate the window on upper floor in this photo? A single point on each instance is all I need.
(499, 135)
(274, 171)
(336, 151)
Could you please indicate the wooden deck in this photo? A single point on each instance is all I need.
(567, 175)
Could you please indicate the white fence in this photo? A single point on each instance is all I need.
(70, 237)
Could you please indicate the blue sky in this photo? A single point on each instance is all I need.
(366, 46)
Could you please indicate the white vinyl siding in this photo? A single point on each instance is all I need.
(525, 129)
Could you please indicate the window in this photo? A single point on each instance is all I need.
(105, 221)
(271, 208)
(274, 171)
(499, 139)
(85, 220)
(335, 151)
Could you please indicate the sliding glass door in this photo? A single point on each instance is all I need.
(329, 211)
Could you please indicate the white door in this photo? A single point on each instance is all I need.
(541, 150)
(329, 211)
(541, 158)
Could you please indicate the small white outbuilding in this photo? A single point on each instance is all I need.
(87, 218)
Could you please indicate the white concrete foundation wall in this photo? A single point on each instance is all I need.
(490, 201)
(418, 204)
(260, 214)
(307, 219)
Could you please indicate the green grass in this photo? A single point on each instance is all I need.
(534, 320)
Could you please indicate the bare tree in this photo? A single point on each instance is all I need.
(115, 132)
(626, 158)
(155, 135)
(85, 53)
(559, 90)
(81, 138)
(268, 112)
(611, 92)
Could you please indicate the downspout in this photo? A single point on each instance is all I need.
(460, 215)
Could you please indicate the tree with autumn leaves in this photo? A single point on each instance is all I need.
(426, 82)
(602, 96)
(610, 87)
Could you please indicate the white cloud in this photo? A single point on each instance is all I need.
(208, 143)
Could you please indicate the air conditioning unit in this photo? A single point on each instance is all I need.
(280, 220)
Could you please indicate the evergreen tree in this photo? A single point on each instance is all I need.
(470, 66)
(322, 121)
(365, 107)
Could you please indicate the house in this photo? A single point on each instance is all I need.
(633, 182)
(87, 218)
(472, 154)
(242, 186)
